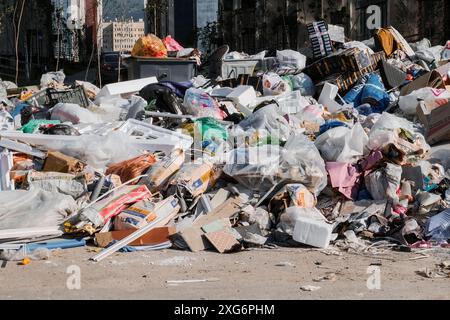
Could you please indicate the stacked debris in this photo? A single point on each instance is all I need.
(332, 148)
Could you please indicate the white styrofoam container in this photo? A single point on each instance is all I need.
(126, 87)
(243, 96)
(313, 232)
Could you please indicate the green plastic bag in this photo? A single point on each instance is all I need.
(33, 125)
(212, 132)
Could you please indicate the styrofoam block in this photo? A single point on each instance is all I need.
(313, 232)
(126, 87)
(328, 96)
(243, 96)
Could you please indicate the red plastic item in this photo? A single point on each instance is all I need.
(171, 44)
(123, 202)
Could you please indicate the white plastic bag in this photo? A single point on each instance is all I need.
(291, 58)
(34, 208)
(360, 45)
(384, 183)
(446, 51)
(3, 92)
(91, 90)
(52, 79)
(6, 121)
(273, 85)
(68, 112)
(343, 144)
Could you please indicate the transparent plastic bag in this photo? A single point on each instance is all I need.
(199, 103)
(291, 58)
(68, 112)
(304, 84)
(438, 226)
(384, 183)
(137, 108)
(393, 130)
(149, 46)
(301, 163)
(256, 167)
(98, 151)
(343, 144)
(265, 126)
(56, 182)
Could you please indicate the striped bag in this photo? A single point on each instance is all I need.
(320, 39)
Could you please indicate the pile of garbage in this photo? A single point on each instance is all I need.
(339, 147)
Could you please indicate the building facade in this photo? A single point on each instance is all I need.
(69, 18)
(256, 25)
(35, 45)
(121, 36)
(93, 20)
(182, 19)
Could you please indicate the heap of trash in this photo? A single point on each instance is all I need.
(346, 145)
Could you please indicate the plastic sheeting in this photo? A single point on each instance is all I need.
(34, 208)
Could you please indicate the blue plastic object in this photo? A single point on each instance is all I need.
(57, 244)
(369, 90)
(331, 124)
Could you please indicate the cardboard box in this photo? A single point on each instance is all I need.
(432, 79)
(197, 178)
(160, 172)
(146, 211)
(59, 162)
(436, 121)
